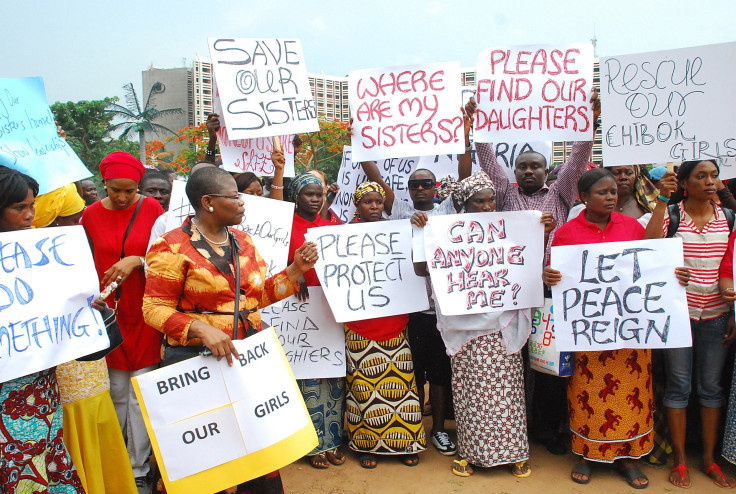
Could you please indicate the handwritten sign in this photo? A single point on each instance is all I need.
(41, 326)
(485, 262)
(620, 295)
(405, 111)
(263, 87)
(394, 171)
(28, 139)
(366, 270)
(313, 342)
(543, 354)
(267, 221)
(669, 106)
(214, 426)
(251, 155)
(534, 93)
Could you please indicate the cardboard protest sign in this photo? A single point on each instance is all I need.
(405, 111)
(313, 342)
(534, 93)
(40, 325)
(263, 87)
(251, 155)
(366, 270)
(670, 106)
(543, 353)
(394, 171)
(620, 295)
(485, 262)
(267, 221)
(213, 426)
(29, 141)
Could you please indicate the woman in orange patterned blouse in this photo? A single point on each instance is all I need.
(190, 294)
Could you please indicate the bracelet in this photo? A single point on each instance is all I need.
(207, 152)
(663, 198)
(277, 187)
(468, 148)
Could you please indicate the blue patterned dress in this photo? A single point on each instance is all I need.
(325, 400)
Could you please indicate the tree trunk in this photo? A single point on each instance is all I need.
(142, 146)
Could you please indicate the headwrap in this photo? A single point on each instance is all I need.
(298, 183)
(64, 201)
(464, 189)
(121, 165)
(366, 188)
(645, 192)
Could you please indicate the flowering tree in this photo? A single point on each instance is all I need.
(194, 141)
(323, 150)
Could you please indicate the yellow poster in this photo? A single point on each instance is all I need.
(213, 426)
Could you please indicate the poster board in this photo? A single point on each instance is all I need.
(213, 426)
(41, 326)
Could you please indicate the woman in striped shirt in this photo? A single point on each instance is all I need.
(704, 230)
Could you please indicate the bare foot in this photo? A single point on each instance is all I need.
(680, 476)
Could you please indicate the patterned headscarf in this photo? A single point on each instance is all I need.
(465, 188)
(298, 183)
(645, 192)
(363, 189)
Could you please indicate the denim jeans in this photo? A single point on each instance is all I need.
(706, 358)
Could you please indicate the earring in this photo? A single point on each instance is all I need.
(684, 194)
(211, 210)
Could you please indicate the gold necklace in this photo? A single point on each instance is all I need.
(209, 240)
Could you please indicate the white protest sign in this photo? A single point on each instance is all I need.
(41, 325)
(620, 295)
(394, 171)
(29, 141)
(202, 413)
(263, 87)
(313, 342)
(670, 106)
(366, 270)
(485, 262)
(534, 93)
(405, 111)
(267, 221)
(251, 155)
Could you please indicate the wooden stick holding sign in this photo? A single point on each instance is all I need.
(276, 143)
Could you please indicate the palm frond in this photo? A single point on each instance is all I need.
(156, 88)
(120, 111)
(154, 114)
(128, 128)
(131, 98)
(157, 127)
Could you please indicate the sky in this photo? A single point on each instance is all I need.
(88, 49)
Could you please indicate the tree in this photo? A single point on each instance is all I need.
(323, 150)
(86, 124)
(194, 140)
(140, 120)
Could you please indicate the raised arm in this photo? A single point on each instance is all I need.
(656, 226)
(465, 161)
(374, 175)
(213, 125)
(277, 186)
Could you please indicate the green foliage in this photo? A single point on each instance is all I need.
(323, 150)
(86, 124)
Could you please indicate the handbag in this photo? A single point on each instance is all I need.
(175, 354)
(109, 316)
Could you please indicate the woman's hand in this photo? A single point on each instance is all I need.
(728, 295)
(730, 332)
(551, 276)
(332, 189)
(305, 257)
(218, 342)
(467, 121)
(682, 275)
(121, 270)
(278, 160)
(667, 185)
(470, 107)
(549, 223)
(303, 294)
(419, 219)
(595, 104)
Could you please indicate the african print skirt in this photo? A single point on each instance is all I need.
(490, 410)
(611, 404)
(33, 457)
(383, 410)
(729, 436)
(325, 400)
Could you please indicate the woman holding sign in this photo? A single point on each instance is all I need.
(485, 353)
(33, 457)
(383, 410)
(193, 269)
(606, 384)
(704, 227)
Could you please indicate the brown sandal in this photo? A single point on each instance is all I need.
(335, 457)
(319, 461)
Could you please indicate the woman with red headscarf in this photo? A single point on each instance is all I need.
(118, 228)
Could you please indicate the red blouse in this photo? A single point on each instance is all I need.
(579, 230)
(298, 229)
(105, 229)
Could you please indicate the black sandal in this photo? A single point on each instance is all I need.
(582, 468)
(632, 473)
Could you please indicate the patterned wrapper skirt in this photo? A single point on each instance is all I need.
(611, 404)
(490, 409)
(384, 415)
(325, 400)
(33, 457)
(729, 437)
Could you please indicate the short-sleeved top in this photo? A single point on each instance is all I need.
(299, 228)
(403, 210)
(704, 249)
(579, 230)
(105, 228)
(726, 269)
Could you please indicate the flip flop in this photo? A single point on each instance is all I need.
(582, 469)
(632, 473)
(318, 461)
(521, 470)
(718, 470)
(335, 457)
(681, 469)
(368, 461)
(462, 468)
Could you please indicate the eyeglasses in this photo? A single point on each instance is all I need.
(425, 183)
(232, 198)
